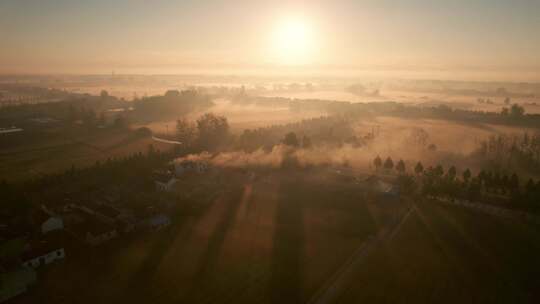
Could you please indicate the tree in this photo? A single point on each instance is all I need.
(151, 150)
(514, 182)
(377, 162)
(104, 94)
(418, 169)
(530, 187)
(291, 140)
(400, 167)
(172, 94)
(186, 132)
(466, 175)
(517, 111)
(388, 164)
(73, 113)
(89, 118)
(306, 142)
(439, 171)
(102, 120)
(452, 172)
(120, 121)
(213, 131)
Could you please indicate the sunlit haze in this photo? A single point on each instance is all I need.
(495, 38)
(269, 151)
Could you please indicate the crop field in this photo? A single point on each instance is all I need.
(33, 159)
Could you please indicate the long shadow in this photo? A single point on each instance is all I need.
(287, 275)
(145, 272)
(210, 256)
(206, 266)
(180, 230)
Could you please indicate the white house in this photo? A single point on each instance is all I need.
(42, 254)
(94, 238)
(95, 232)
(51, 224)
(48, 221)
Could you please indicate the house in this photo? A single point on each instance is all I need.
(14, 279)
(164, 181)
(47, 220)
(89, 227)
(106, 212)
(94, 232)
(123, 219)
(384, 188)
(43, 252)
(158, 221)
(186, 166)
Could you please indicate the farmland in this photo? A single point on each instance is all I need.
(34, 157)
(449, 254)
(264, 239)
(281, 235)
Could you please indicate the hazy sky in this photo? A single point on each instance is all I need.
(127, 35)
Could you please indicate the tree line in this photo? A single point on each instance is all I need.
(485, 186)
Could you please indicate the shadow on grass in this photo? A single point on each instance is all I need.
(286, 281)
(210, 256)
(143, 276)
(203, 281)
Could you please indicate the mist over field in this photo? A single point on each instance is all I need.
(272, 152)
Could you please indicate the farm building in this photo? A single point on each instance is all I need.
(164, 181)
(43, 253)
(186, 166)
(158, 221)
(385, 188)
(47, 220)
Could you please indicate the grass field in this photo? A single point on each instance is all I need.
(448, 254)
(267, 240)
(279, 237)
(35, 158)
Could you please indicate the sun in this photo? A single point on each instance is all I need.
(293, 42)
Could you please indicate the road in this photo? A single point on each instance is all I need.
(173, 142)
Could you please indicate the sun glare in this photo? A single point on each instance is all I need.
(293, 42)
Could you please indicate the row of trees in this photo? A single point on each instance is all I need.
(388, 164)
(485, 185)
(211, 132)
(172, 103)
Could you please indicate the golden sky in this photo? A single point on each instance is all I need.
(79, 36)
